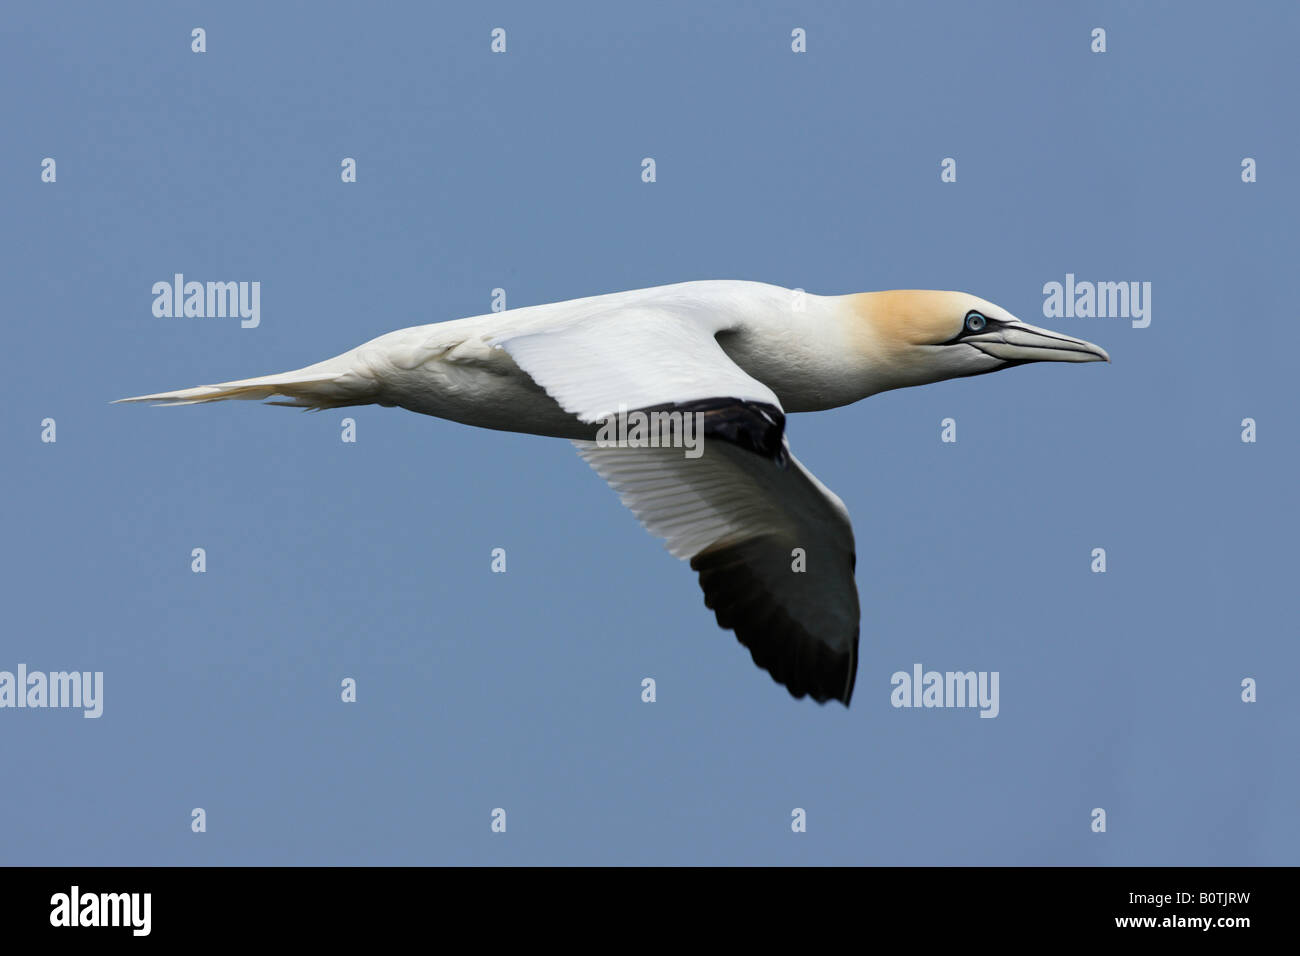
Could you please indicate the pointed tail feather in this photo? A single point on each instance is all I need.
(314, 387)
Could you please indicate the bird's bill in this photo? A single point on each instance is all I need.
(1019, 342)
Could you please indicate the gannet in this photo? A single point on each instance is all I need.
(740, 355)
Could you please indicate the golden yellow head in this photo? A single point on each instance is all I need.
(922, 335)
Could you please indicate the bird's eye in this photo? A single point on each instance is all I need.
(975, 322)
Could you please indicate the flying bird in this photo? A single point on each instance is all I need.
(735, 357)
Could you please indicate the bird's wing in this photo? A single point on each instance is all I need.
(634, 357)
(773, 547)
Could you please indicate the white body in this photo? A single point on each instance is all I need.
(797, 344)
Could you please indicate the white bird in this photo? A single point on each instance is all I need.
(739, 355)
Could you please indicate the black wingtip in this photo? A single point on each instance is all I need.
(800, 661)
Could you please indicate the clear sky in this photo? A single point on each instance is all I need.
(522, 170)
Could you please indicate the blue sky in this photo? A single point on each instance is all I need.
(521, 170)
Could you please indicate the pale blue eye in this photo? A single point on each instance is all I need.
(975, 322)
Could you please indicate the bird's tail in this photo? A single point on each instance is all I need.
(331, 384)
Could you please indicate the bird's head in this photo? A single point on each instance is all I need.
(926, 336)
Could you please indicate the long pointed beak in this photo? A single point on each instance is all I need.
(1018, 342)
